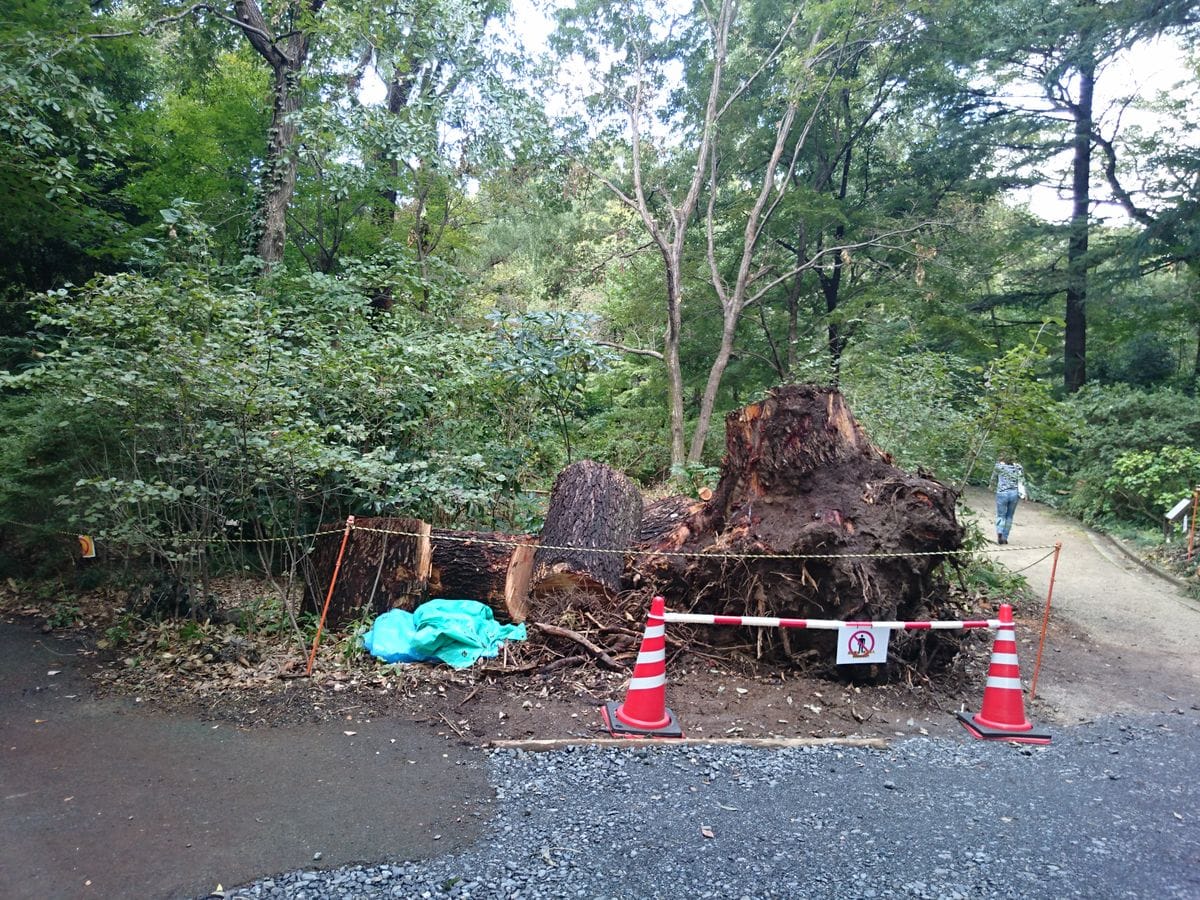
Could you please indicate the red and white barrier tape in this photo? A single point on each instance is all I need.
(826, 624)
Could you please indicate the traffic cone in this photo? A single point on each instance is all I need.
(644, 712)
(1003, 715)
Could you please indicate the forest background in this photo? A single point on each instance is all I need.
(264, 265)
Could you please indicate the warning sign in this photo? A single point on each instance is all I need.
(861, 644)
(87, 547)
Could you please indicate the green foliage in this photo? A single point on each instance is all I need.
(1122, 421)
(1017, 413)
(121, 630)
(1146, 483)
(63, 614)
(982, 571)
(189, 407)
(551, 353)
(201, 142)
(691, 477)
(918, 408)
(60, 143)
(626, 425)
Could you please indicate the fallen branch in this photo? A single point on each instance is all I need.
(452, 725)
(599, 652)
(464, 700)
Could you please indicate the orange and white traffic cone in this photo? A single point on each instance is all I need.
(1002, 717)
(644, 712)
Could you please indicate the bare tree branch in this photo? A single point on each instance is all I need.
(636, 351)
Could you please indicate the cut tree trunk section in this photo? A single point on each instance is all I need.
(393, 563)
(593, 518)
(385, 566)
(490, 567)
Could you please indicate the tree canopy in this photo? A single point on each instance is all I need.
(267, 261)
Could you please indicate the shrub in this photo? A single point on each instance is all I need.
(1117, 420)
(169, 411)
(1146, 483)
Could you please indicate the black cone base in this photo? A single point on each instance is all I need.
(617, 728)
(984, 733)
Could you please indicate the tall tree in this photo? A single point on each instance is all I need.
(285, 48)
(744, 68)
(1065, 48)
(282, 35)
(715, 154)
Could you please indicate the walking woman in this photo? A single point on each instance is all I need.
(1009, 479)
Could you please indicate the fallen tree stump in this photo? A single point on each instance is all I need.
(808, 520)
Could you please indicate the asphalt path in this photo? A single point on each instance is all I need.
(101, 798)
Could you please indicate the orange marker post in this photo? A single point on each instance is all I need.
(1192, 528)
(329, 594)
(1045, 620)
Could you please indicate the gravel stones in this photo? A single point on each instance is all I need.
(1107, 810)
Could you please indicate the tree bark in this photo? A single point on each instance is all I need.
(592, 508)
(380, 569)
(394, 563)
(1075, 331)
(489, 567)
(287, 55)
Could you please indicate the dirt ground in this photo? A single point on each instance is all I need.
(1119, 639)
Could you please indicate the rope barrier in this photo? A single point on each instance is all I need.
(1040, 559)
(718, 555)
(1010, 548)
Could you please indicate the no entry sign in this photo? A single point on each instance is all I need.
(862, 644)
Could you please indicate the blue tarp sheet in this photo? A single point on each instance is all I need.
(456, 632)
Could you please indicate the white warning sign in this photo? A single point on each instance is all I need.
(862, 644)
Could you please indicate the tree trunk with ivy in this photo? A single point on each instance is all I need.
(286, 53)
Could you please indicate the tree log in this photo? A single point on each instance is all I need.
(592, 507)
(490, 567)
(380, 569)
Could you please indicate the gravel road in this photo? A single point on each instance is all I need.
(1110, 809)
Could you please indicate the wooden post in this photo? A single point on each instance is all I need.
(1045, 620)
